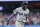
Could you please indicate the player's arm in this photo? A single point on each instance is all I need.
(27, 19)
(12, 15)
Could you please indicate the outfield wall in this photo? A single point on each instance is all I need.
(24, 26)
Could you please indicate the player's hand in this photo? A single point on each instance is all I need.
(23, 23)
(7, 22)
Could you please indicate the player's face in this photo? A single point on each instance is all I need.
(25, 7)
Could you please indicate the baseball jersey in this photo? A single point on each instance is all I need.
(22, 14)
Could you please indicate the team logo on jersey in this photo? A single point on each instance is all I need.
(25, 14)
(20, 13)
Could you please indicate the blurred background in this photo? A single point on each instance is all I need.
(6, 9)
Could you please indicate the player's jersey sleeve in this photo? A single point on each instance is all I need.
(15, 11)
(28, 11)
